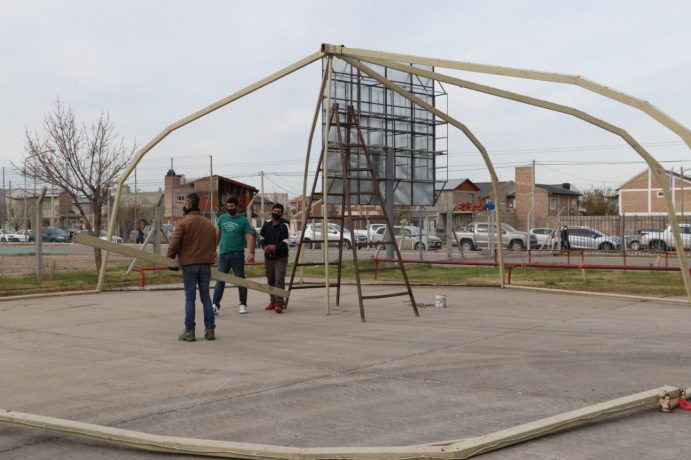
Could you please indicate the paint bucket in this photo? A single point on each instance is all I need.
(440, 301)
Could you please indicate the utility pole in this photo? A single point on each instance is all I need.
(212, 205)
(4, 201)
(532, 199)
(136, 227)
(261, 173)
(52, 205)
(25, 217)
(172, 195)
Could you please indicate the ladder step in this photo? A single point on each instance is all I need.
(310, 286)
(383, 296)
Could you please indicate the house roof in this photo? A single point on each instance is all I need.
(486, 187)
(667, 171)
(559, 189)
(554, 189)
(225, 179)
(454, 184)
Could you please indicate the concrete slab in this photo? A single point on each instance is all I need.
(491, 360)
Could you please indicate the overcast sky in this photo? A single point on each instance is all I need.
(151, 63)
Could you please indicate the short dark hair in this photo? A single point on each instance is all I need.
(193, 198)
(232, 200)
(277, 206)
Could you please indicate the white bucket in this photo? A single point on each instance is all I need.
(440, 301)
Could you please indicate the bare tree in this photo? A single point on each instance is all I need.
(83, 161)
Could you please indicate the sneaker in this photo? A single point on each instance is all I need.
(216, 308)
(278, 308)
(243, 309)
(187, 336)
(270, 307)
(210, 334)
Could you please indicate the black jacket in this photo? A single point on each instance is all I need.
(277, 235)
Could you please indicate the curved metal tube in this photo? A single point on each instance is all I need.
(653, 164)
(485, 156)
(179, 124)
(645, 106)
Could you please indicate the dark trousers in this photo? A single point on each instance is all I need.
(234, 260)
(276, 276)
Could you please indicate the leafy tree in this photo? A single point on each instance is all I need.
(83, 161)
(600, 202)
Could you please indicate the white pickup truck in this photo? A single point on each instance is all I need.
(661, 241)
(368, 235)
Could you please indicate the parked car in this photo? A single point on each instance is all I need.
(476, 236)
(408, 237)
(589, 238)
(21, 236)
(634, 240)
(663, 240)
(544, 237)
(314, 232)
(4, 235)
(52, 235)
(115, 238)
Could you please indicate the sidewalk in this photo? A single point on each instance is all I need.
(491, 360)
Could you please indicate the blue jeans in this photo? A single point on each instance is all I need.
(226, 261)
(192, 276)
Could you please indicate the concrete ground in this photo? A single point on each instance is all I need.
(491, 360)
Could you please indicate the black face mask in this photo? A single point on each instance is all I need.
(276, 216)
(232, 212)
(186, 210)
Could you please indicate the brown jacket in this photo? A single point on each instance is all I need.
(194, 240)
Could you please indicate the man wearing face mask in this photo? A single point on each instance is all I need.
(234, 232)
(274, 234)
(194, 242)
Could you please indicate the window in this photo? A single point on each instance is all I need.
(660, 194)
(180, 198)
(553, 202)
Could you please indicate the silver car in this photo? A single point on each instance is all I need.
(589, 238)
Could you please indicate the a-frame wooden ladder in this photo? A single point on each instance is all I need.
(350, 178)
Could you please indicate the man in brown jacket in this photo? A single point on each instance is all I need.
(194, 242)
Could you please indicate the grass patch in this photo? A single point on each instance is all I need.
(653, 284)
(81, 280)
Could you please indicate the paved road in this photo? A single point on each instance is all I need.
(491, 360)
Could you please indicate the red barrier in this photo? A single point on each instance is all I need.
(143, 270)
(511, 265)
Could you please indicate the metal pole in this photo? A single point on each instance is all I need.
(261, 173)
(25, 216)
(38, 233)
(212, 207)
(681, 172)
(531, 223)
(172, 195)
(4, 201)
(136, 226)
(388, 196)
(325, 195)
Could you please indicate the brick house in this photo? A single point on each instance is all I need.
(213, 192)
(642, 195)
(549, 199)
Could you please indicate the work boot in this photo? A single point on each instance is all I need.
(187, 336)
(210, 334)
